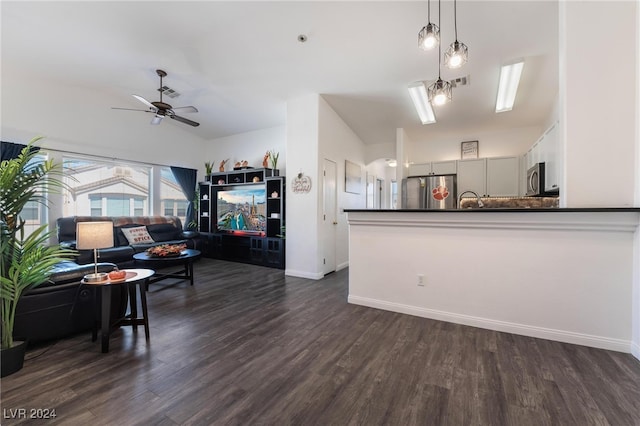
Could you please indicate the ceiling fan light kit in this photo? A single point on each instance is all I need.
(161, 109)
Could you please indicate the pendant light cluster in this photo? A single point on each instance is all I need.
(439, 93)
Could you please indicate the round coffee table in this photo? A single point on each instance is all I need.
(185, 259)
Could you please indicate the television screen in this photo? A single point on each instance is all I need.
(242, 209)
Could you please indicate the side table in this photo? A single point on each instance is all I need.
(134, 278)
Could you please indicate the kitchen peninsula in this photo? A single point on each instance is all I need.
(565, 274)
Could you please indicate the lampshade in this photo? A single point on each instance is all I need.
(94, 235)
(439, 92)
(456, 55)
(428, 37)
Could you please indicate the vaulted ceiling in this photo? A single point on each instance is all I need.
(239, 62)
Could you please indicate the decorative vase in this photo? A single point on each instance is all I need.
(276, 172)
(13, 358)
(207, 178)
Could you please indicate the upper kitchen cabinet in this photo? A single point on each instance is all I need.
(433, 168)
(547, 150)
(489, 177)
(472, 176)
(551, 154)
(502, 176)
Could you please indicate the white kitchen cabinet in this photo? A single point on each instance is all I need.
(443, 167)
(502, 176)
(551, 159)
(490, 177)
(472, 176)
(432, 168)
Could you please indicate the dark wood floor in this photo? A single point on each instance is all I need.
(248, 346)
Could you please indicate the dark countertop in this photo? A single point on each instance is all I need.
(507, 210)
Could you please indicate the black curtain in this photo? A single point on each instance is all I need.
(187, 180)
(10, 150)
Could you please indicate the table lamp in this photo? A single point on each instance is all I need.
(94, 235)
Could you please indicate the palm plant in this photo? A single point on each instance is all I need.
(26, 261)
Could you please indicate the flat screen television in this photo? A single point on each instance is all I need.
(242, 209)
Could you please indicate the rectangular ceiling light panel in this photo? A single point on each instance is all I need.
(508, 86)
(418, 93)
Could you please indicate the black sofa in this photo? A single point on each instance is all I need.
(62, 306)
(163, 230)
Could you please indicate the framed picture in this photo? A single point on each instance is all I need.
(469, 149)
(352, 177)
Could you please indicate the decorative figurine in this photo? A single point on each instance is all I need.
(265, 160)
(222, 163)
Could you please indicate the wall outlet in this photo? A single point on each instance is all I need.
(421, 280)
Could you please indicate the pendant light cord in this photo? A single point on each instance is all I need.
(455, 19)
(439, 44)
(429, 11)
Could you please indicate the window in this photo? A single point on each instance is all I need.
(105, 188)
(34, 213)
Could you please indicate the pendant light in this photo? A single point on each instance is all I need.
(458, 53)
(429, 35)
(439, 92)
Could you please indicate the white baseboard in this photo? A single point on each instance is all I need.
(507, 327)
(342, 266)
(304, 274)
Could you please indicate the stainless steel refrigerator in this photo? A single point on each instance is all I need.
(430, 192)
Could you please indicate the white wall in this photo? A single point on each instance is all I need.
(510, 142)
(302, 210)
(85, 123)
(337, 142)
(381, 150)
(598, 102)
(250, 146)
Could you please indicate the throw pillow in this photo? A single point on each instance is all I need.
(137, 235)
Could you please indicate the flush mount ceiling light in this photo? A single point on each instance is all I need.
(508, 86)
(429, 35)
(458, 53)
(418, 93)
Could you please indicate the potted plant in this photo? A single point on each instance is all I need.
(26, 260)
(208, 168)
(274, 162)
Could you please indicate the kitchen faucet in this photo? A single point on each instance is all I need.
(480, 203)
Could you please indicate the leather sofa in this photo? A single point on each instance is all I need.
(163, 230)
(62, 306)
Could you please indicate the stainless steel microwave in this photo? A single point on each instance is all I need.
(535, 181)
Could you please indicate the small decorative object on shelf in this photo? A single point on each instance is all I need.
(221, 182)
(274, 194)
(208, 168)
(256, 179)
(166, 250)
(265, 160)
(274, 161)
(222, 163)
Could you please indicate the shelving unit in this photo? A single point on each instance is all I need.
(268, 248)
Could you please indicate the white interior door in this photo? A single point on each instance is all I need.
(371, 191)
(329, 215)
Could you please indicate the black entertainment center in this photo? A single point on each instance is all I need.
(241, 216)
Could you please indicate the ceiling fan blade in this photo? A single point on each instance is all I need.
(187, 109)
(146, 102)
(184, 120)
(132, 109)
(156, 119)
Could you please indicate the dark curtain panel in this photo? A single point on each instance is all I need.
(187, 180)
(10, 150)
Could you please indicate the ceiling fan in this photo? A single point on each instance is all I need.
(162, 109)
